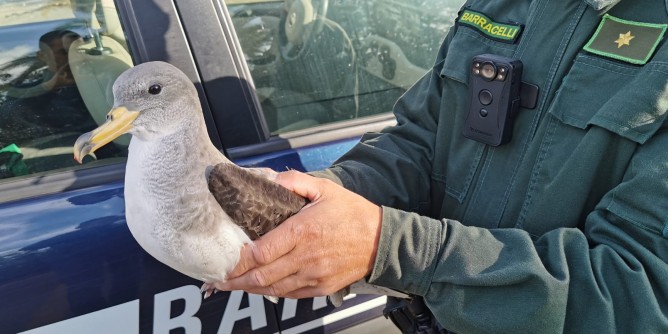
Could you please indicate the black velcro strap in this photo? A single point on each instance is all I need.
(528, 95)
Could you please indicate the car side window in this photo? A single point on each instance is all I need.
(315, 62)
(58, 62)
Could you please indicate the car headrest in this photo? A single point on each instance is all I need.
(107, 16)
(95, 73)
(99, 15)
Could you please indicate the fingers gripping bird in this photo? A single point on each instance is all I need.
(186, 204)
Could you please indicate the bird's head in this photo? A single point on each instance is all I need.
(150, 100)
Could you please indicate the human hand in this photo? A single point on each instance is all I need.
(328, 245)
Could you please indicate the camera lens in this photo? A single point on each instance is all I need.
(488, 71)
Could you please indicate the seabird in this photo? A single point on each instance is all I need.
(186, 204)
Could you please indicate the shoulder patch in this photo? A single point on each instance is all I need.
(504, 32)
(629, 41)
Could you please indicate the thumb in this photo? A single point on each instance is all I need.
(302, 184)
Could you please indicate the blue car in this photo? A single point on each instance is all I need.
(283, 84)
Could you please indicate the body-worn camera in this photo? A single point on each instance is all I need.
(494, 98)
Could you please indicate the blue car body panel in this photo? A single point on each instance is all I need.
(303, 159)
(74, 250)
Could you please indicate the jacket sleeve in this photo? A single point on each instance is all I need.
(610, 277)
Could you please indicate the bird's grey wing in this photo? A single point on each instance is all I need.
(255, 203)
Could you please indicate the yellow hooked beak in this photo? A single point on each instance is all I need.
(119, 121)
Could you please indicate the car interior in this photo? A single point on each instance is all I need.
(43, 123)
(319, 61)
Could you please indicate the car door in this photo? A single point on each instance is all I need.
(283, 84)
(321, 73)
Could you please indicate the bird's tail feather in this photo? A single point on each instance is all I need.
(272, 299)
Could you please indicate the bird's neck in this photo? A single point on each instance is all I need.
(193, 131)
(188, 150)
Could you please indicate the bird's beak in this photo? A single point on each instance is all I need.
(119, 121)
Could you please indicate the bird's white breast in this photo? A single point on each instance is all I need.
(140, 209)
(174, 217)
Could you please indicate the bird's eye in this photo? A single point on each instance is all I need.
(154, 89)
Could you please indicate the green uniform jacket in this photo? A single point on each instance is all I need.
(565, 228)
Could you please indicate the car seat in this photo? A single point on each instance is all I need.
(97, 61)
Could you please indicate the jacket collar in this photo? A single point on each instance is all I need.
(601, 4)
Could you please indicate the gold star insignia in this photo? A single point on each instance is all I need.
(624, 39)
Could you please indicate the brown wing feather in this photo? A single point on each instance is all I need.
(256, 204)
